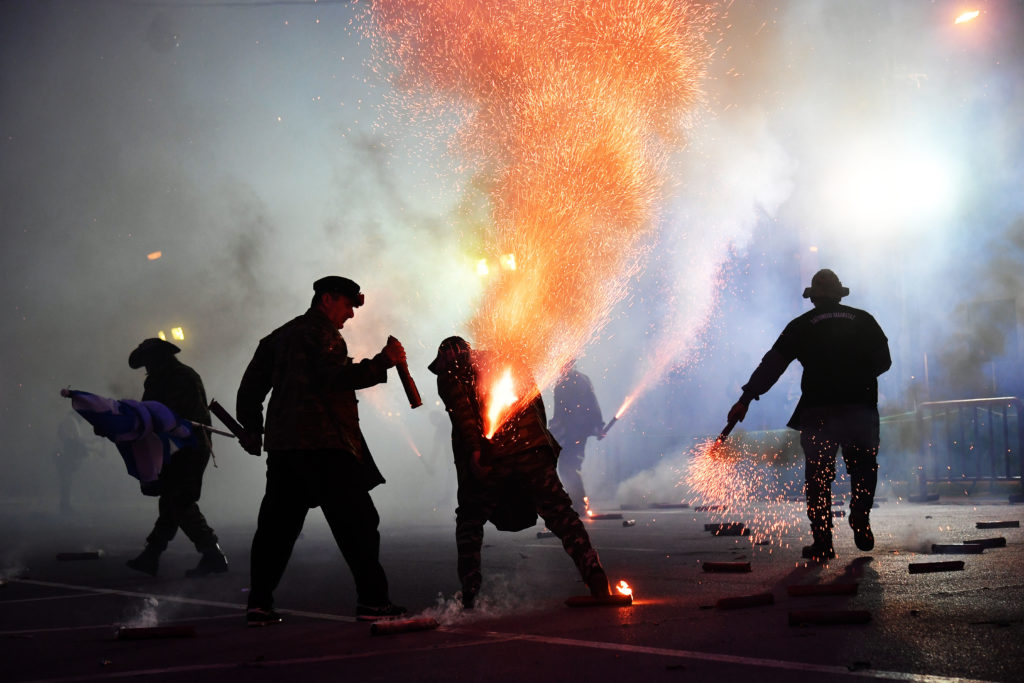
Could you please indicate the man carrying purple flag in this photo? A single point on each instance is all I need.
(180, 388)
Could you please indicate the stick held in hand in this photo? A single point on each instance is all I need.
(411, 392)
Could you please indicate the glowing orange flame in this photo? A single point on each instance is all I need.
(624, 588)
(967, 16)
(569, 111)
(154, 255)
(501, 398)
(625, 406)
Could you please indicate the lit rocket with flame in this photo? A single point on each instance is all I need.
(500, 401)
(620, 412)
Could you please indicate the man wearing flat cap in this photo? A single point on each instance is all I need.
(316, 453)
(180, 388)
(843, 351)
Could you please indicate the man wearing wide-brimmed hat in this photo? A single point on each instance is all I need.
(180, 388)
(843, 351)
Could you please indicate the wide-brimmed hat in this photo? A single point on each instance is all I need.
(150, 349)
(826, 285)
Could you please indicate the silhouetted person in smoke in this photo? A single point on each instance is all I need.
(316, 453)
(71, 451)
(843, 351)
(180, 388)
(507, 479)
(577, 417)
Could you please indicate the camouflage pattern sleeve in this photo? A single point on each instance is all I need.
(463, 409)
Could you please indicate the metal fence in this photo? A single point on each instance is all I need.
(969, 441)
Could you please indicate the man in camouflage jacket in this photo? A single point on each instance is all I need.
(501, 475)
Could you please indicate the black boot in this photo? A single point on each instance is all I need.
(594, 576)
(148, 560)
(862, 535)
(821, 550)
(470, 587)
(213, 561)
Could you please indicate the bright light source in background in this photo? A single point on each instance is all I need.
(154, 255)
(481, 267)
(967, 16)
(508, 261)
(161, 335)
(873, 190)
(178, 333)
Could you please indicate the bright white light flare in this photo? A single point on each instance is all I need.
(502, 397)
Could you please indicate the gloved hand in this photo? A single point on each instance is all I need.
(737, 412)
(394, 352)
(252, 443)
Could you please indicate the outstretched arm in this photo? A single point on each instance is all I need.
(763, 378)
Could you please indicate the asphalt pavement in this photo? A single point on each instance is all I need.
(60, 618)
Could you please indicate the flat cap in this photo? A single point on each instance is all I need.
(335, 284)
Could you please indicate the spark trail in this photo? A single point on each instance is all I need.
(568, 111)
(746, 480)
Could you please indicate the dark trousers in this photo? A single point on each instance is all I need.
(181, 482)
(534, 472)
(570, 471)
(854, 429)
(330, 480)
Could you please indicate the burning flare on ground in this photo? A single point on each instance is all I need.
(623, 588)
(568, 111)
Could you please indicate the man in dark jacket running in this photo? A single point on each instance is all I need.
(843, 351)
(180, 388)
(316, 453)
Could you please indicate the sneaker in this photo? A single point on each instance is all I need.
(375, 612)
(818, 552)
(258, 616)
(213, 561)
(862, 535)
(147, 562)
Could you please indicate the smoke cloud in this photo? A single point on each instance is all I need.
(255, 146)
